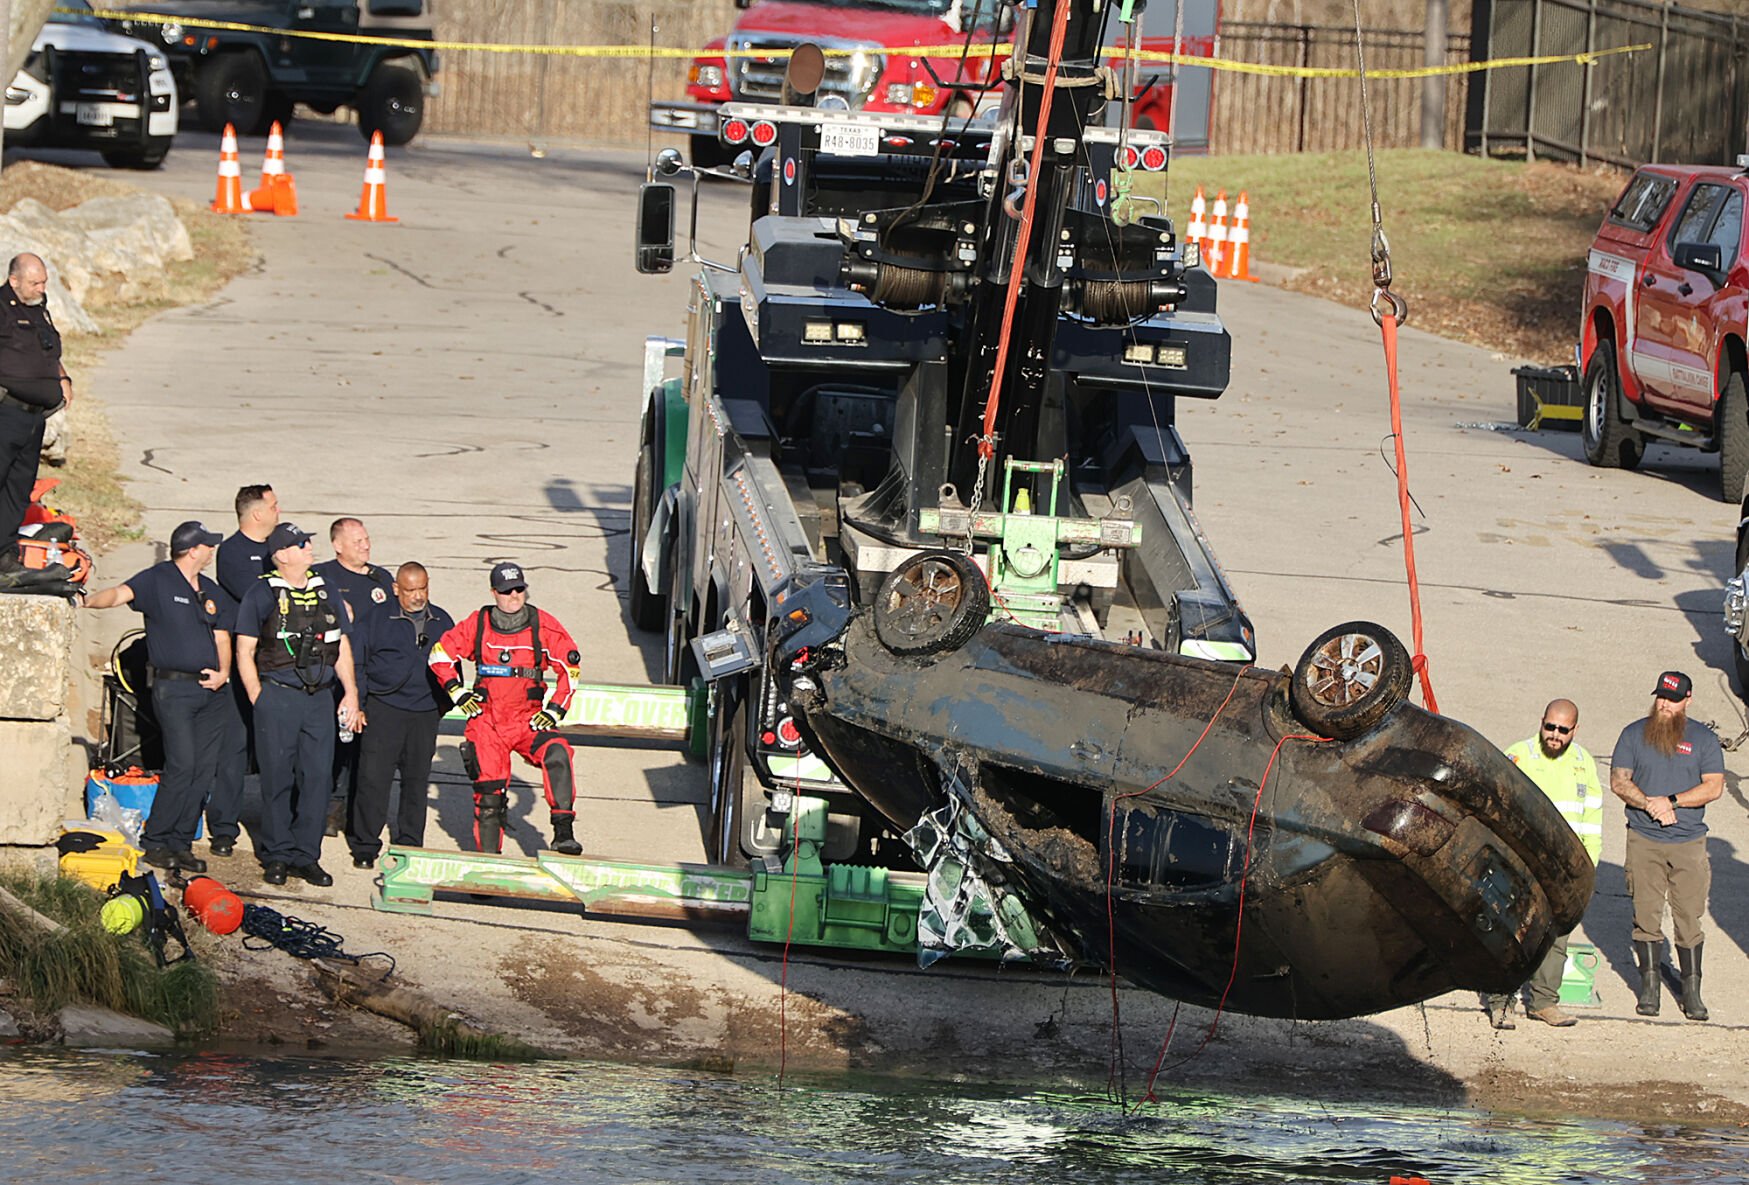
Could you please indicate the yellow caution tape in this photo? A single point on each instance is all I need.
(987, 50)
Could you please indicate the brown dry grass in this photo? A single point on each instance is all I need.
(91, 486)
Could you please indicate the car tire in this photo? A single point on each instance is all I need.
(393, 103)
(931, 604)
(649, 609)
(1349, 679)
(1731, 430)
(149, 155)
(232, 90)
(278, 108)
(1609, 441)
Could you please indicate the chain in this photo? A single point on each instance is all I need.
(977, 497)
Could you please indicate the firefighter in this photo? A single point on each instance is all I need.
(525, 673)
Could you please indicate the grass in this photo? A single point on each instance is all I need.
(85, 964)
(1485, 251)
(91, 486)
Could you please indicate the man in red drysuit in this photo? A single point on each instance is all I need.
(525, 672)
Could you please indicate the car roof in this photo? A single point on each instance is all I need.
(1717, 172)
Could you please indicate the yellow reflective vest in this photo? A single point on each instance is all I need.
(1571, 783)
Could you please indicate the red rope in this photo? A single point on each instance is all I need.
(1388, 324)
(1238, 927)
(1111, 878)
(1016, 275)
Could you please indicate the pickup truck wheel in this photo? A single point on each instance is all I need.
(149, 155)
(1349, 679)
(232, 90)
(649, 609)
(393, 103)
(1610, 442)
(1737, 651)
(278, 108)
(1731, 428)
(931, 604)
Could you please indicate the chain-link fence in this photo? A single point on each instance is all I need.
(1263, 113)
(1681, 100)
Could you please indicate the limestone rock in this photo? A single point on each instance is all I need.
(127, 264)
(40, 781)
(85, 1026)
(8, 1026)
(149, 210)
(36, 656)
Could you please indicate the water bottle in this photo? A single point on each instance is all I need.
(346, 734)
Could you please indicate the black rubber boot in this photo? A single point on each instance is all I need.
(1688, 960)
(1646, 953)
(489, 812)
(564, 842)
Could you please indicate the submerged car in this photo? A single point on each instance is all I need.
(1300, 845)
(85, 87)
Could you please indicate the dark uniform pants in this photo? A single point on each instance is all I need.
(192, 722)
(225, 802)
(294, 746)
(1674, 872)
(396, 740)
(21, 444)
(346, 758)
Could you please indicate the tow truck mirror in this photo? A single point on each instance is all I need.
(1706, 258)
(655, 253)
(396, 7)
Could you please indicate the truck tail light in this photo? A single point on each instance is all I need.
(1153, 158)
(764, 133)
(1131, 158)
(788, 735)
(735, 131)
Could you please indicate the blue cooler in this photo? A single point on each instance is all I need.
(134, 789)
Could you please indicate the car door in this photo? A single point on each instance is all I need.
(1673, 349)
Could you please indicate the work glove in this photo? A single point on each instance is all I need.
(543, 721)
(470, 703)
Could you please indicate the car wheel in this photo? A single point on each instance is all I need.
(649, 609)
(393, 103)
(931, 604)
(232, 90)
(1737, 650)
(1731, 429)
(737, 801)
(149, 155)
(1610, 442)
(1350, 678)
(278, 108)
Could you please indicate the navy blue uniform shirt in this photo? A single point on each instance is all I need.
(396, 645)
(180, 621)
(252, 616)
(366, 592)
(242, 563)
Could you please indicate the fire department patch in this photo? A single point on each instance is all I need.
(378, 595)
(210, 607)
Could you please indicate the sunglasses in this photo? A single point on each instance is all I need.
(1563, 729)
(510, 592)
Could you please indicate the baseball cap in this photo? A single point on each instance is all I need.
(507, 576)
(190, 535)
(1673, 685)
(286, 535)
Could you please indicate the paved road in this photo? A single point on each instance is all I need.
(467, 382)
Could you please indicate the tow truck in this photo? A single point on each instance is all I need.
(913, 515)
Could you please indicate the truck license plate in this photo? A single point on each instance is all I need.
(850, 139)
(93, 115)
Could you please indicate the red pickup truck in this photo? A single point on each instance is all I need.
(1666, 300)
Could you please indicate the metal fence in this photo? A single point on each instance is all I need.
(1681, 100)
(1262, 113)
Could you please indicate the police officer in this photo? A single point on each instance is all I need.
(364, 588)
(243, 560)
(33, 384)
(511, 708)
(292, 648)
(405, 706)
(188, 645)
(1567, 774)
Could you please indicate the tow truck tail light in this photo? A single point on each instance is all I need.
(1153, 158)
(735, 131)
(788, 735)
(1131, 158)
(764, 133)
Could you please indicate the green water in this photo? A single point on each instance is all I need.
(210, 1117)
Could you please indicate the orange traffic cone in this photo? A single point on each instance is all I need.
(1196, 230)
(229, 197)
(278, 193)
(1239, 242)
(1214, 249)
(273, 161)
(373, 201)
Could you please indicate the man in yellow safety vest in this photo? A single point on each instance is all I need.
(1563, 770)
